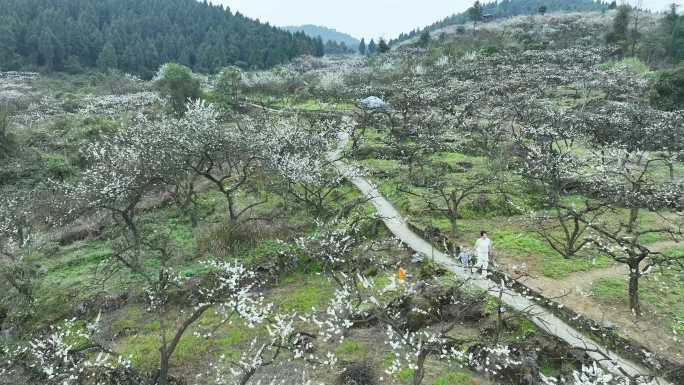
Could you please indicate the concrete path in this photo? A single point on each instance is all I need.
(544, 319)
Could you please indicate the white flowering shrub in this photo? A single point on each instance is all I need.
(114, 105)
(66, 355)
(594, 375)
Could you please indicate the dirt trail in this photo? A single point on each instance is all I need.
(544, 319)
(576, 293)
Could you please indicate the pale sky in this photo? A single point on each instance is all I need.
(363, 18)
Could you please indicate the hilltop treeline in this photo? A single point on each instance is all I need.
(138, 35)
(509, 8)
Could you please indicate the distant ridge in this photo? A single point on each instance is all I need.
(327, 34)
(137, 36)
(509, 8)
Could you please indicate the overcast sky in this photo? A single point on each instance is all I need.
(362, 18)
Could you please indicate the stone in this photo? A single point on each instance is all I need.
(375, 103)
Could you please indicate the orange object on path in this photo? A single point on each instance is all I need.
(402, 274)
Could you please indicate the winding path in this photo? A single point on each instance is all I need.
(544, 319)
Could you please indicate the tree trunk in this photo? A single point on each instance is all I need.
(454, 226)
(163, 377)
(634, 275)
(420, 368)
(247, 376)
(231, 207)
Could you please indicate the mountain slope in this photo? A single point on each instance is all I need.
(508, 8)
(137, 36)
(327, 34)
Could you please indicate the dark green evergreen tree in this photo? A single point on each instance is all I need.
(107, 58)
(319, 47)
(669, 27)
(50, 53)
(362, 47)
(383, 46)
(372, 48)
(620, 32)
(667, 90)
(424, 38)
(143, 34)
(9, 59)
(475, 12)
(678, 42)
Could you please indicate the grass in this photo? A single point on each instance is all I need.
(454, 378)
(143, 342)
(385, 166)
(144, 351)
(662, 291)
(311, 105)
(550, 263)
(405, 374)
(301, 293)
(456, 158)
(351, 350)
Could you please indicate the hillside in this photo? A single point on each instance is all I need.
(501, 204)
(508, 8)
(137, 36)
(327, 34)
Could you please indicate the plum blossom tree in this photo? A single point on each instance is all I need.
(18, 236)
(549, 161)
(68, 354)
(627, 183)
(298, 152)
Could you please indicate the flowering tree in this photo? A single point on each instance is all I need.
(228, 288)
(68, 354)
(358, 300)
(549, 160)
(17, 237)
(627, 183)
(297, 149)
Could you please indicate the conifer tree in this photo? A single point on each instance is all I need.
(372, 47)
(362, 47)
(475, 12)
(383, 46)
(424, 38)
(620, 32)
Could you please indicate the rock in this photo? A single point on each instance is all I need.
(105, 304)
(79, 232)
(357, 373)
(374, 103)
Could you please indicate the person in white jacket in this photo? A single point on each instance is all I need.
(483, 247)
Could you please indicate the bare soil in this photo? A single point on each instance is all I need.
(576, 293)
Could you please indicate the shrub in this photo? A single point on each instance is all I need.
(175, 82)
(57, 166)
(357, 373)
(667, 90)
(228, 87)
(4, 130)
(454, 378)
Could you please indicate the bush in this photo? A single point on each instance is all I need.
(228, 87)
(57, 166)
(667, 90)
(175, 82)
(358, 373)
(454, 378)
(4, 128)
